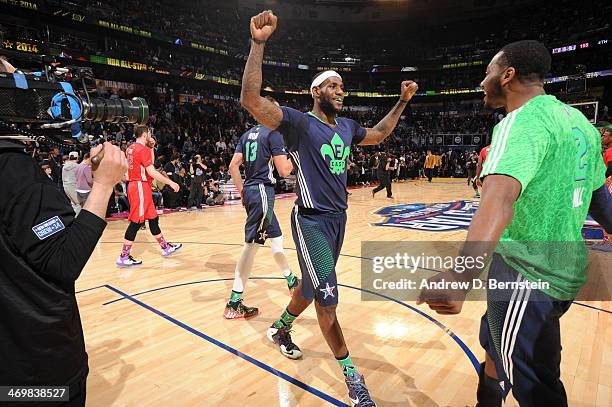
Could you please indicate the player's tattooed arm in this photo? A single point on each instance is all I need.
(376, 135)
(264, 111)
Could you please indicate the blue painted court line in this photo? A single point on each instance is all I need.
(440, 325)
(179, 285)
(592, 307)
(89, 289)
(236, 352)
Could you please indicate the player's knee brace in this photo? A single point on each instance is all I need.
(154, 226)
(276, 243)
(132, 229)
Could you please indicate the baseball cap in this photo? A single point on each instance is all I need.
(73, 154)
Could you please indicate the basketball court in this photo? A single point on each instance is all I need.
(156, 336)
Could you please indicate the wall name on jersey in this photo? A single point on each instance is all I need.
(436, 217)
(253, 136)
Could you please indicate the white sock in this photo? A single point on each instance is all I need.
(276, 243)
(244, 266)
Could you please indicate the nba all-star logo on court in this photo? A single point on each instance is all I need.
(437, 217)
(337, 153)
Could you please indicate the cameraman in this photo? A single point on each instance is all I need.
(44, 248)
(196, 192)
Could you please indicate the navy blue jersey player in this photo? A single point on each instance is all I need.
(259, 150)
(319, 144)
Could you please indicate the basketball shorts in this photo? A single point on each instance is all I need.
(318, 238)
(520, 332)
(261, 221)
(140, 197)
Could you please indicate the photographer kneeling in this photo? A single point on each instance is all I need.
(44, 248)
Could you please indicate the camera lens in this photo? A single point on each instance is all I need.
(134, 110)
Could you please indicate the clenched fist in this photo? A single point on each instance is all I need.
(409, 88)
(112, 164)
(263, 25)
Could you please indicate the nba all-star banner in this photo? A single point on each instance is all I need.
(22, 46)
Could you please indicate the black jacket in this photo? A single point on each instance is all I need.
(43, 249)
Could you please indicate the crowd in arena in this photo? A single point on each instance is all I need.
(195, 144)
(223, 25)
(395, 45)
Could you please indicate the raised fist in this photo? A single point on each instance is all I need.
(263, 25)
(409, 88)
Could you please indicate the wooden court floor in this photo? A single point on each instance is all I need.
(156, 336)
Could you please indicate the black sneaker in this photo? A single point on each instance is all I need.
(282, 337)
(234, 310)
(358, 392)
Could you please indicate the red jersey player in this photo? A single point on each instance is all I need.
(605, 129)
(481, 159)
(141, 173)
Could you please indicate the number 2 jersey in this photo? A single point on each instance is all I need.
(555, 154)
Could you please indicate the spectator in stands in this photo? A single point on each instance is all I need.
(47, 170)
(224, 175)
(84, 179)
(188, 147)
(221, 146)
(55, 162)
(183, 182)
(120, 135)
(121, 199)
(69, 180)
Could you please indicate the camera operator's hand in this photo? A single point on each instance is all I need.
(109, 171)
(112, 167)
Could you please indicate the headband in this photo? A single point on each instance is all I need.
(322, 78)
